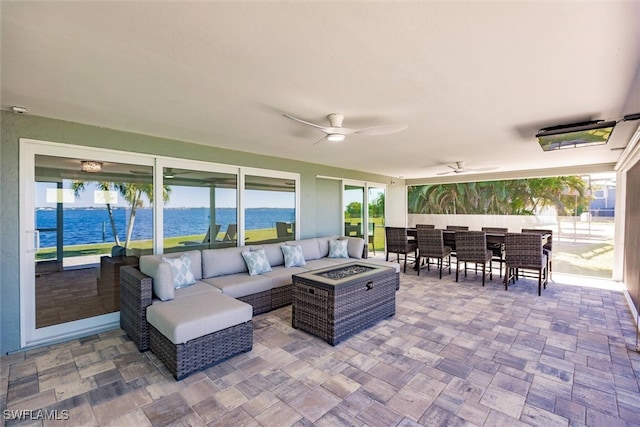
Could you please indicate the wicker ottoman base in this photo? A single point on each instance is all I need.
(335, 312)
(201, 353)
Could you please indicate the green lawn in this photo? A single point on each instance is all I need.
(173, 242)
(170, 242)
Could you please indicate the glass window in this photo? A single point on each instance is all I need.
(269, 209)
(200, 209)
(376, 219)
(353, 213)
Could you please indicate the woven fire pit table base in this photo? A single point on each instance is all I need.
(336, 302)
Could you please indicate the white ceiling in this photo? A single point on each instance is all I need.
(473, 80)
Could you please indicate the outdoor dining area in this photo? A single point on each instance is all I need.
(520, 253)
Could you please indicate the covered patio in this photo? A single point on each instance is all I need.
(454, 354)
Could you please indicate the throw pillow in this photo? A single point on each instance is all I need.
(257, 262)
(293, 256)
(338, 249)
(181, 269)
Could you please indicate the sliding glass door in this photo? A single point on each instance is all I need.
(368, 222)
(376, 219)
(80, 208)
(353, 200)
(87, 212)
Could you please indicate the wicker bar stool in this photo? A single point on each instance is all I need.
(548, 247)
(496, 248)
(399, 243)
(525, 251)
(425, 226)
(431, 245)
(452, 244)
(471, 246)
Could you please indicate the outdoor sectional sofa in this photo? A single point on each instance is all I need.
(193, 327)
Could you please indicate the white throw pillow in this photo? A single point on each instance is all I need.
(257, 262)
(293, 256)
(338, 249)
(181, 269)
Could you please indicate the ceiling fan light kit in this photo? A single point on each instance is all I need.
(335, 137)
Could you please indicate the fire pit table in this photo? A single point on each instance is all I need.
(336, 302)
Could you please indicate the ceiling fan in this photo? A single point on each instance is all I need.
(459, 168)
(168, 173)
(336, 133)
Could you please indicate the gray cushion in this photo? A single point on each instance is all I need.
(321, 263)
(310, 248)
(160, 272)
(195, 289)
(281, 276)
(195, 316)
(273, 251)
(337, 261)
(241, 284)
(355, 247)
(196, 261)
(218, 262)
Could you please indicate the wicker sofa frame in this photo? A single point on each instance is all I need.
(136, 295)
(181, 359)
(260, 301)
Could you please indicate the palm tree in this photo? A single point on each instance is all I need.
(132, 193)
(513, 197)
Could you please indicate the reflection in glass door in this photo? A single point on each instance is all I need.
(357, 220)
(353, 200)
(83, 220)
(200, 209)
(269, 209)
(375, 221)
(91, 218)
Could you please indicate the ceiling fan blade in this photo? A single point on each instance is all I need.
(445, 173)
(305, 122)
(321, 140)
(381, 130)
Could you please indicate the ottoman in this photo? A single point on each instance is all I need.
(193, 333)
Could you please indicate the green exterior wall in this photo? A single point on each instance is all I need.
(16, 126)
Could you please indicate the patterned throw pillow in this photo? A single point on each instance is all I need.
(181, 269)
(257, 262)
(338, 248)
(293, 256)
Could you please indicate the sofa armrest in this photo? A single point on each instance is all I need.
(135, 296)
